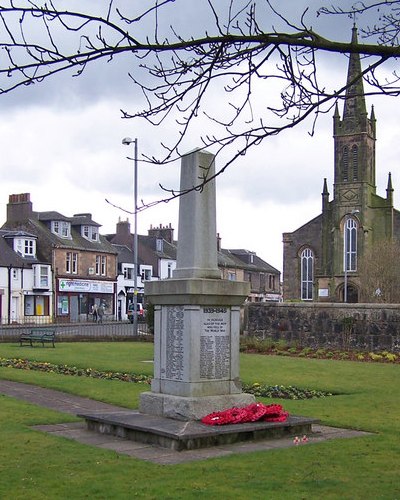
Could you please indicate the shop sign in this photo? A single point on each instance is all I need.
(85, 286)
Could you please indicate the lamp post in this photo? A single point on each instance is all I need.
(127, 141)
(346, 260)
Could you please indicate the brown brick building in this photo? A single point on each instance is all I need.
(83, 263)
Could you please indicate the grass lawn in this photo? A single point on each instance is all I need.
(38, 466)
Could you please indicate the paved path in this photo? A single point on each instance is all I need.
(69, 403)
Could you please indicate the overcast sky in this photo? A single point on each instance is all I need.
(61, 141)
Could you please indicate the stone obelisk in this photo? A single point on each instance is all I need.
(197, 314)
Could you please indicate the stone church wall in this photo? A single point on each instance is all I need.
(366, 327)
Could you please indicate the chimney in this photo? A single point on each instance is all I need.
(123, 235)
(19, 207)
(163, 232)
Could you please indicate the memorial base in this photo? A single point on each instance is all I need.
(190, 408)
(179, 436)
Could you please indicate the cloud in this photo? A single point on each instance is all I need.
(61, 141)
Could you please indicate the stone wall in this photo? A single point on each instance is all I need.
(367, 327)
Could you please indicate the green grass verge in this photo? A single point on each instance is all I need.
(35, 465)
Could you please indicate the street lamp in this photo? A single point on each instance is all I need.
(127, 141)
(346, 260)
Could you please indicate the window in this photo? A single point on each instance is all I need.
(91, 233)
(146, 274)
(307, 274)
(271, 281)
(262, 282)
(71, 263)
(68, 266)
(169, 270)
(29, 247)
(44, 276)
(61, 228)
(231, 276)
(62, 305)
(65, 229)
(26, 247)
(103, 265)
(74, 263)
(128, 273)
(350, 245)
(159, 245)
(345, 164)
(354, 151)
(98, 263)
(36, 305)
(41, 276)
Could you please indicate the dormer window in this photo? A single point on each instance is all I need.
(159, 245)
(26, 247)
(61, 228)
(91, 233)
(29, 248)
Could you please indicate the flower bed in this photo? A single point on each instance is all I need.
(283, 392)
(25, 364)
(255, 346)
(276, 391)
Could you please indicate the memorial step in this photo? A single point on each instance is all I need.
(179, 435)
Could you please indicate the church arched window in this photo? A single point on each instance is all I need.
(345, 164)
(307, 274)
(354, 153)
(350, 245)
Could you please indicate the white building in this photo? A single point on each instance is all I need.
(26, 284)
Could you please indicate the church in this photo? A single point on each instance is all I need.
(320, 258)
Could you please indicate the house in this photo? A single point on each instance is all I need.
(320, 259)
(244, 265)
(156, 260)
(25, 281)
(83, 263)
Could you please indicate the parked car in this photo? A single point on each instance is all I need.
(139, 310)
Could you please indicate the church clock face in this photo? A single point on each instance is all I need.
(348, 195)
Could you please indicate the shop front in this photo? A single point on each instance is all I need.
(76, 299)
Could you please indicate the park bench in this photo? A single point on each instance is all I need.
(43, 335)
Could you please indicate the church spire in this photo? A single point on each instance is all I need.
(389, 190)
(354, 104)
(354, 134)
(325, 196)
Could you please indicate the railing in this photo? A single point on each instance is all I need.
(75, 332)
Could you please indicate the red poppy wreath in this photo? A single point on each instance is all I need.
(254, 412)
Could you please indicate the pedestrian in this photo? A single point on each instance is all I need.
(95, 313)
(100, 313)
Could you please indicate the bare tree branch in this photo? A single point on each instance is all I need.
(177, 75)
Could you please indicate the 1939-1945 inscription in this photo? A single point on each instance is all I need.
(215, 343)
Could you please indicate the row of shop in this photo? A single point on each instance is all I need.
(72, 301)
